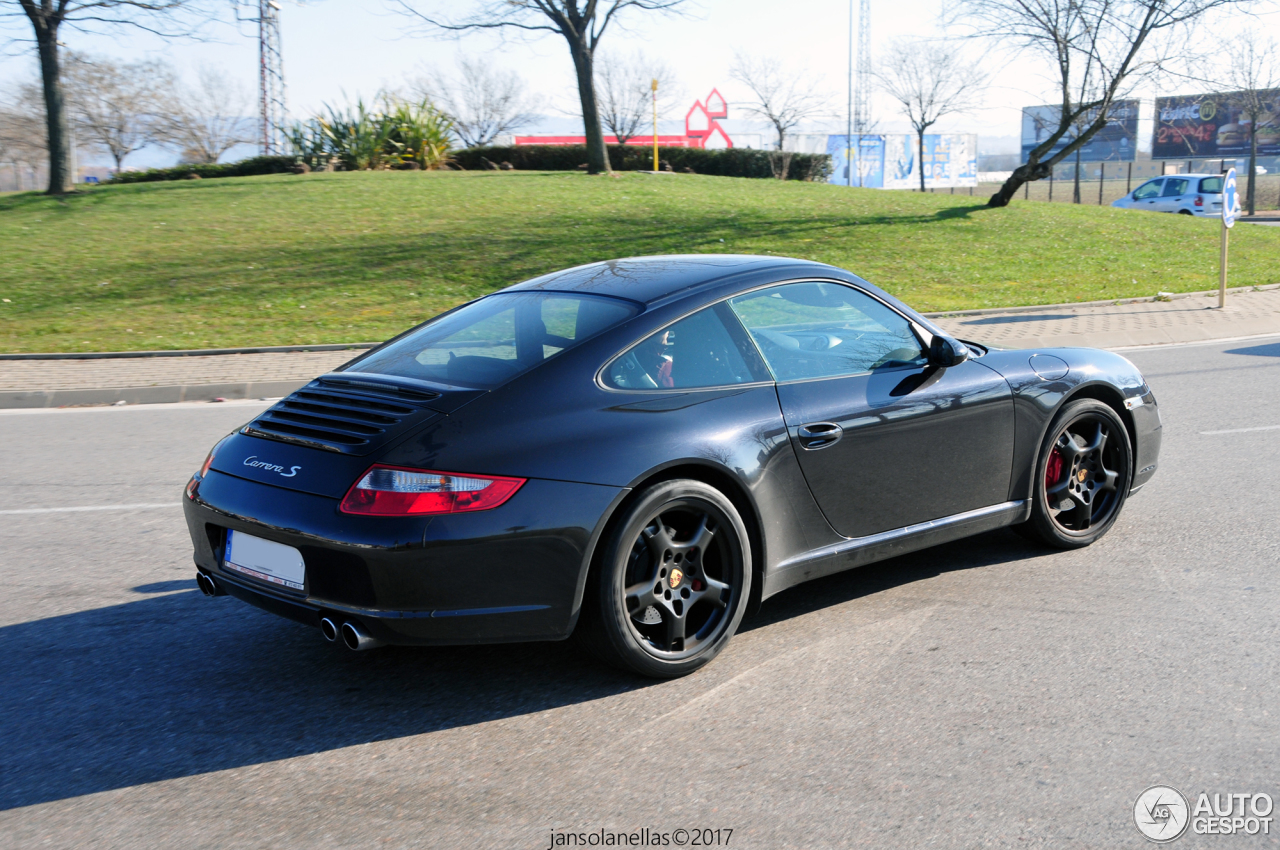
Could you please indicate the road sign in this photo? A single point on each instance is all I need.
(1230, 206)
(1230, 199)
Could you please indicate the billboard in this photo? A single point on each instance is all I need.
(892, 161)
(1212, 126)
(1118, 141)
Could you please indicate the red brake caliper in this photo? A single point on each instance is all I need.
(1052, 469)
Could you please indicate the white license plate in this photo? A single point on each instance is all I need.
(265, 560)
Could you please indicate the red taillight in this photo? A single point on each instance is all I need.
(208, 462)
(399, 491)
(1199, 201)
(194, 483)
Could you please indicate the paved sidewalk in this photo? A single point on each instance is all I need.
(141, 380)
(1183, 319)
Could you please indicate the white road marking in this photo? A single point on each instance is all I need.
(1242, 430)
(90, 508)
(1160, 345)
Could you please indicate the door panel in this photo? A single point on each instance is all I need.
(916, 444)
(1147, 196)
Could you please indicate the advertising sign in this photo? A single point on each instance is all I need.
(1116, 142)
(1213, 126)
(891, 161)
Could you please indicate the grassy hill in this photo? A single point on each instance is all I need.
(352, 257)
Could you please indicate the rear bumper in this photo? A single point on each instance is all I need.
(511, 574)
(1147, 432)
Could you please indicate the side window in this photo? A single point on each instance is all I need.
(1147, 191)
(1175, 186)
(1211, 185)
(822, 330)
(707, 349)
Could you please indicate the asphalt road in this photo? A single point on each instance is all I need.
(984, 693)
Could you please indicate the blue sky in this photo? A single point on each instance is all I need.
(337, 46)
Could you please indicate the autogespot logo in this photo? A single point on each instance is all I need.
(1161, 813)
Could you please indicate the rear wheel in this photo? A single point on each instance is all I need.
(1082, 476)
(672, 585)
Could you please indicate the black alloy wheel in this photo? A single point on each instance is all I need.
(1082, 477)
(672, 585)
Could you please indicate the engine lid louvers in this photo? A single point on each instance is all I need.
(355, 418)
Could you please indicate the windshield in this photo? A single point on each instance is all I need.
(488, 342)
(1211, 185)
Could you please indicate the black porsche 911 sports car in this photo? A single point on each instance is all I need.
(638, 452)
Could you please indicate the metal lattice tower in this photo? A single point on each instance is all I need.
(862, 75)
(271, 96)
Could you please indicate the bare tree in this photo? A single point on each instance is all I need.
(1255, 74)
(482, 101)
(582, 23)
(48, 17)
(205, 120)
(782, 95)
(22, 127)
(929, 80)
(114, 106)
(626, 92)
(1098, 51)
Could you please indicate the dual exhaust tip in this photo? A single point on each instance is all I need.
(353, 634)
(208, 585)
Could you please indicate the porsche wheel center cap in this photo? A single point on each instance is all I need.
(675, 578)
(1082, 475)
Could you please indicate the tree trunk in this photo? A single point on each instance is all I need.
(1253, 164)
(61, 180)
(1026, 173)
(920, 151)
(597, 153)
(1075, 195)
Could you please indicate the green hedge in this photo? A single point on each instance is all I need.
(243, 168)
(732, 162)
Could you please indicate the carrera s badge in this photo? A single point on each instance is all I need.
(252, 460)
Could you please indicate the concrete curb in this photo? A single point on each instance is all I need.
(10, 400)
(1174, 296)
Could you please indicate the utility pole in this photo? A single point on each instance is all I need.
(653, 87)
(861, 104)
(272, 113)
(848, 132)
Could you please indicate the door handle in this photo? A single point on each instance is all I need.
(820, 435)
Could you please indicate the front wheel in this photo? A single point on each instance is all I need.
(672, 585)
(1082, 476)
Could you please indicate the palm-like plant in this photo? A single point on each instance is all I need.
(363, 139)
(360, 139)
(422, 132)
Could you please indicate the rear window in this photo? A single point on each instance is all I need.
(490, 341)
(1211, 185)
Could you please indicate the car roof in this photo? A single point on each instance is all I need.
(650, 279)
(1196, 174)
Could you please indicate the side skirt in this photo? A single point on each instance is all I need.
(859, 551)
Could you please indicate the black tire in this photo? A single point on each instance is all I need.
(672, 584)
(1185, 212)
(1082, 476)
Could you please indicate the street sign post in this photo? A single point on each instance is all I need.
(1230, 206)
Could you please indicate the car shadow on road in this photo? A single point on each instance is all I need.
(176, 685)
(1268, 350)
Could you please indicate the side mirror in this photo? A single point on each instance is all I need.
(945, 351)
